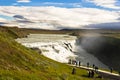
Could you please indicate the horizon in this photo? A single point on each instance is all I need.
(61, 14)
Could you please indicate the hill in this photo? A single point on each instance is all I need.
(20, 63)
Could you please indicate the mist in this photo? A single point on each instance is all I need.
(87, 42)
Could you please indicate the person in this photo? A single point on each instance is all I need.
(119, 72)
(93, 66)
(96, 68)
(73, 71)
(89, 73)
(79, 63)
(92, 73)
(88, 64)
(70, 61)
(76, 63)
(111, 70)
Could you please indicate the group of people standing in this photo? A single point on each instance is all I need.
(91, 72)
(74, 62)
(78, 63)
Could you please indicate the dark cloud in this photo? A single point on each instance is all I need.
(21, 19)
(118, 19)
(24, 21)
(2, 23)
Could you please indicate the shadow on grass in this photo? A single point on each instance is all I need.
(85, 76)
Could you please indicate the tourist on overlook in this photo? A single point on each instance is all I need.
(88, 64)
(73, 71)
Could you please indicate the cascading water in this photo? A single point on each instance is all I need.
(56, 47)
(60, 48)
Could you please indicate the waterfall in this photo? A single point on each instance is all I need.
(60, 48)
(55, 46)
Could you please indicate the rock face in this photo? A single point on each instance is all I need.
(60, 48)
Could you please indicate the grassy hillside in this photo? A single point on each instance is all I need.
(20, 63)
(22, 32)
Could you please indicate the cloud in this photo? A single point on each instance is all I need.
(15, 4)
(21, 19)
(2, 20)
(2, 23)
(23, 1)
(106, 3)
(18, 16)
(75, 5)
(53, 3)
(58, 18)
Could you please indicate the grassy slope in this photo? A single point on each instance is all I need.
(20, 63)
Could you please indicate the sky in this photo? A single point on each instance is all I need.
(60, 14)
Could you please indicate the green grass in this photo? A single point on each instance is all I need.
(20, 63)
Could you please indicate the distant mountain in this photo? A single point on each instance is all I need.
(113, 25)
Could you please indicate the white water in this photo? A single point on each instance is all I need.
(60, 48)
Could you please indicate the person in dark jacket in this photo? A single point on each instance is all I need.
(73, 71)
(92, 73)
(88, 64)
(89, 73)
(96, 69)
(111, 70)
(93, 66)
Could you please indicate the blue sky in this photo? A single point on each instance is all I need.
(57, 3)
(10, 2)
(6, 17)
(41, 2)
